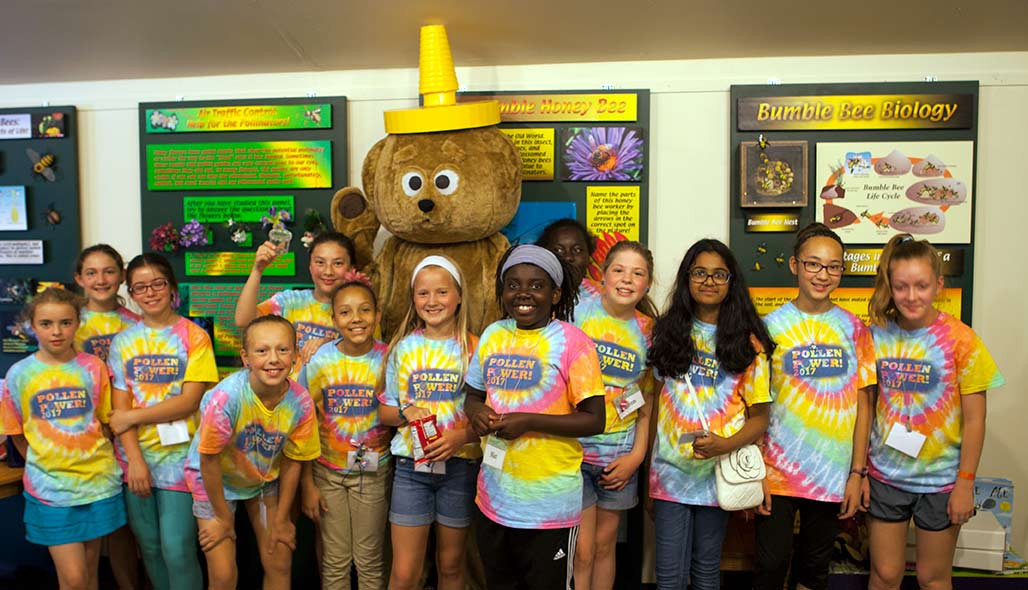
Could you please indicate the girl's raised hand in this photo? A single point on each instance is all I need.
(266, 254)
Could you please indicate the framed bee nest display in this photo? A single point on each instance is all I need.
(773, 174)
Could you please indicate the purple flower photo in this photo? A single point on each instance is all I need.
(603, 153)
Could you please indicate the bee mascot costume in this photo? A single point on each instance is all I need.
(444, 180)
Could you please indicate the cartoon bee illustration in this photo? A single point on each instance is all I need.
(835, 219)
(41, 165)
(780, 259)
(762, 248)
(762, 141)
(757, 266)
(313, 115)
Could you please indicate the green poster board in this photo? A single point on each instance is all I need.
(239, 160)
(868, 160)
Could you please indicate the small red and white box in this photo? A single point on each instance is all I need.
(423, 432)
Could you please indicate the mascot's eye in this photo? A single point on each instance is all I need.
(446, 182)
(412, 183)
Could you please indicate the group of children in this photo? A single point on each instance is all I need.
(530, 438)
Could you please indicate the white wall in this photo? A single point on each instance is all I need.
(689, 167)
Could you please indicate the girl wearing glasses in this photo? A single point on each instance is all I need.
(160, 368)
(822, 376)
(712, 339)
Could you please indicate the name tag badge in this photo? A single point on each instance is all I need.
(433, 467)
(173, 433)
(495, 451)
(629, 401)
(904, 440)
(368, 462)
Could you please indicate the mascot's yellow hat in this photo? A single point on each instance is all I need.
(438, 88)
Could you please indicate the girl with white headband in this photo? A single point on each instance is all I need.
(534, 386)
(425, 369)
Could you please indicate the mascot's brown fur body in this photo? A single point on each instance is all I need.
(447, 192)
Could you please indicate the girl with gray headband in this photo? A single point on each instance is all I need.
(533, 387)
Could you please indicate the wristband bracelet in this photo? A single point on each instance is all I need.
(862, 472)
(966, 475)
(403, 407)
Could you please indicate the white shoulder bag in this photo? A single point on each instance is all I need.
(738, 475)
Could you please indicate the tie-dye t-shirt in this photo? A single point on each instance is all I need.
(59, 409)
(621, 346)
(428, 374)
(820, 364)
(921, 376)
(588, 289)
(344, 391)
(675, 474)
(249, 438)
(98, 328)
(310, 317)
(546, 371)
(152, 364)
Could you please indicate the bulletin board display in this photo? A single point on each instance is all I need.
(869, 161)
(585, 155)
(217, 176)
(40, 219)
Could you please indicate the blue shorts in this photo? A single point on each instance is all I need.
(594, 493)
(60, 525)
(420, 499)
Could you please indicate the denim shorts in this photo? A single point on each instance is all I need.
(203, 509)
(895, 505)
(420, 499)
(594, 493)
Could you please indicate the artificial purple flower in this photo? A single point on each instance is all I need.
(193, 234)
(604, 153)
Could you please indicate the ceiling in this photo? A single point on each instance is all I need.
(70, 40)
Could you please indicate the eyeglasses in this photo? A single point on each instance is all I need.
(814, 267)
(156, 286)
(700, 276)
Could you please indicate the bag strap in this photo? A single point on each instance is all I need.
(694, 399)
